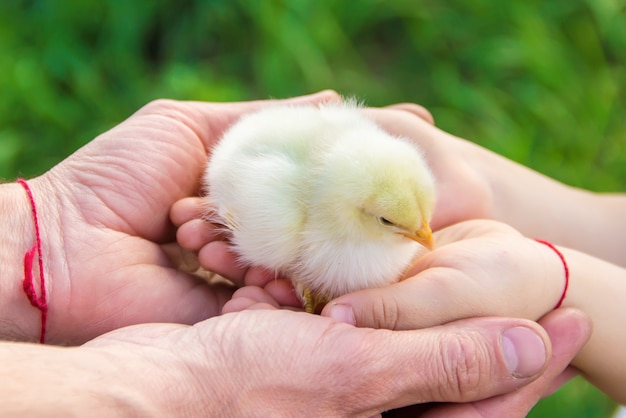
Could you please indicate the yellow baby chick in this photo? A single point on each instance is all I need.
(323, 196)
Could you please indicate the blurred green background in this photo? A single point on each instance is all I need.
(540, 82)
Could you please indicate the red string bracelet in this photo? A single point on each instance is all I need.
(562, 257)
(40, 302)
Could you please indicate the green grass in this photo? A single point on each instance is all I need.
(578, 399)
(540, 82)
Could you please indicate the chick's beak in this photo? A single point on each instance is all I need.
(424, 236)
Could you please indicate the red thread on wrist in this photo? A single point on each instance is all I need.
(40, 302)
(562, 257)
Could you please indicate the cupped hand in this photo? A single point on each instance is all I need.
(212, 247)
(105, 220)
(568, 330)
(281, 363)
(479, 268)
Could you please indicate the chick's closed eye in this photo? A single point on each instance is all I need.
(385, 221)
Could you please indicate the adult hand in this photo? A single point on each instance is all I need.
(104, 222)
(281, 363)
(568, 330)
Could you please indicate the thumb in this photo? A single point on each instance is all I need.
(431, 299)
(568, 330)
(463, 361)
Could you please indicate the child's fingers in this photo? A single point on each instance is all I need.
(196, 233)
(187, 209)
(238, 305)
(257, 276)
(283, 292)
(249, 297)
(256, 294)
(217, 257)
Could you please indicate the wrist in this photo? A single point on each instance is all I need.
(39, 380)
(597, 288)
(175, 371)
(566, 272)
(20, 320)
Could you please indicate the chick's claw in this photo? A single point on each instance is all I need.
(313, 303)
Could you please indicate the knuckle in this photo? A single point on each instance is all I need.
(385, 314)
(463, 362)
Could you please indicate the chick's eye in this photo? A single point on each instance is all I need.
(385, 221)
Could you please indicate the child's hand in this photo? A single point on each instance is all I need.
(214, 254)
(479, 268)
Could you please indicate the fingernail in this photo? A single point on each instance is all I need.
(524, 351)
(342, 313)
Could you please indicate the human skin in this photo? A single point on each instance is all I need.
(103, 215)
(487, 268)
(266, 361)
(479, 267)
(483, 268)
(107, 266)
(475, 183)
(589, 227)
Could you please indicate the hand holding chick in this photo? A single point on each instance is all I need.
(321, 195)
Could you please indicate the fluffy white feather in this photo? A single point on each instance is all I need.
(321, 195)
